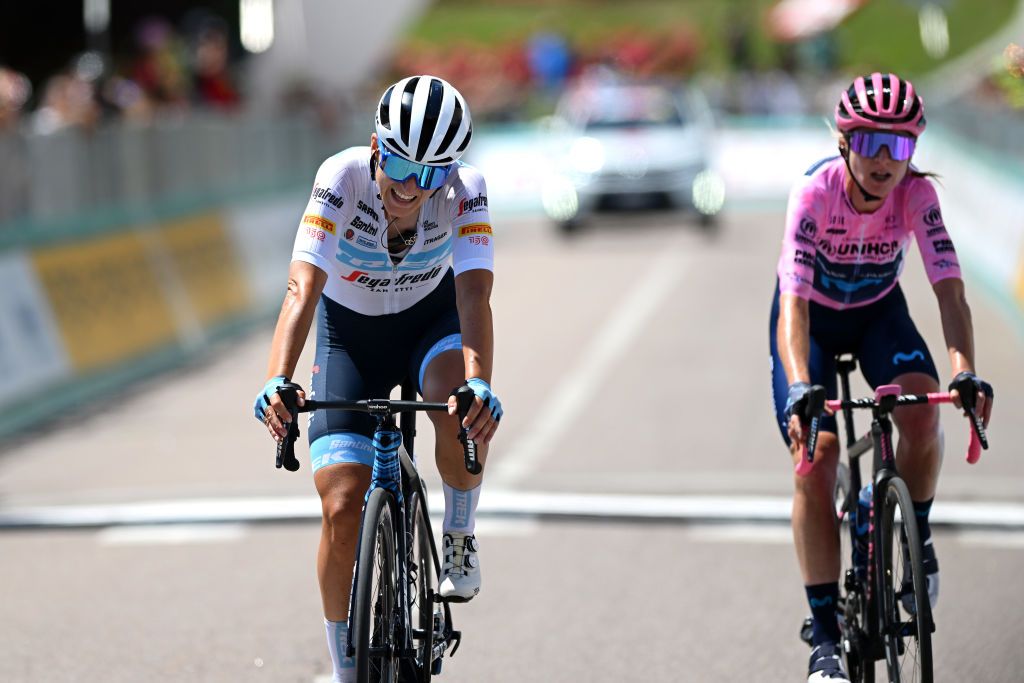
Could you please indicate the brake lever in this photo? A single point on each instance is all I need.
(463, 401)
(812, 412)
(286, 446)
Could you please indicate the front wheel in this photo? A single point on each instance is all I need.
(374, 606)
(906, 611)
(423, 573)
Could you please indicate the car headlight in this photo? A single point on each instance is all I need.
(708, 192)
(587, 155)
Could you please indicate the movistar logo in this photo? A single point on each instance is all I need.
(907, 357)
(821, 602)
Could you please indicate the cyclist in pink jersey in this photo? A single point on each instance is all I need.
(849, 226)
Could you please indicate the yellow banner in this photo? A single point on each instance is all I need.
(205, 261)
(106, 298)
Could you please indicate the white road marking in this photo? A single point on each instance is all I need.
(578, 388)
(494, 505)
(170, 534)
(772, 534)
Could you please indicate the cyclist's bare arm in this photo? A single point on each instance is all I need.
(794, 342)
(305, 283)
(473, 298)
(958, 332)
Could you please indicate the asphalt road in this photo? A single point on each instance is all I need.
(631, 360)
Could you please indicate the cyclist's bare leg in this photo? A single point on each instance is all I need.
(445, 372)
(342, 488)
(815, 533)
(919, 450)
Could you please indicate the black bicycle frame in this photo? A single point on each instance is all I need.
(883, 468)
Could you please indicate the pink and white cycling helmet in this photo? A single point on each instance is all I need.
(881, 102)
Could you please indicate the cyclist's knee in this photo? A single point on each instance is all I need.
(342, 497)
(821, 480)
(918, 424)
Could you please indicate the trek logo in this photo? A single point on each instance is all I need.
(324, 195)
(429, 225)
(361, 277)
(368, 211)
(907, 357)
(942, 245)
(808, 226)
(359, 224)
(460, 507)
(933, 216)
(944, 263)
(940, 230)
(475, 229)
(318, 222)
(468, 205)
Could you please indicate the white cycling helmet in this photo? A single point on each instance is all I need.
(424, 119)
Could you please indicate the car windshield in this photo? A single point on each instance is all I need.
(631, 108)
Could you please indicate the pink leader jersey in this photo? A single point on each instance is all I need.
(839, 258)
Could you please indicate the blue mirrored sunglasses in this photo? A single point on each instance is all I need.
(400, 170)
(870, 143)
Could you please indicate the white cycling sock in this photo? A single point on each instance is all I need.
(460, 509)
(337, 643)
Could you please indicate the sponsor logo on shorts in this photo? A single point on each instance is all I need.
(318, 222)
(475, 229)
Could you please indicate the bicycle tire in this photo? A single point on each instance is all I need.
(908, 642)
(374, 605)
(850, 601)
(422, 562)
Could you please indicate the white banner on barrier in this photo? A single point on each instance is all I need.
(30, 351)
(263, 233)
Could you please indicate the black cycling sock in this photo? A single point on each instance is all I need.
(823, 598)
(921, 511)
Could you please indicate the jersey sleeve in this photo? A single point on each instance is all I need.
(925, 220)
(328, 210)
(471, 223)
(796, 262)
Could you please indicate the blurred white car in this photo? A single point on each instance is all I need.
(629, 144)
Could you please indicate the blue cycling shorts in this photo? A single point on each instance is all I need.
(881, 335)
(366, 356)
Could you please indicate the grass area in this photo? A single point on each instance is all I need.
(882, 35)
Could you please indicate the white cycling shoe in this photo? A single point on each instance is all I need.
(826, 665)
(460, 570)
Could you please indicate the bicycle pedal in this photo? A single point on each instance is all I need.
(807, 630)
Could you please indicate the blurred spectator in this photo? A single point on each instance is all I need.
(213, 84)
(549, 59)
(15, 90)
(69, 100)
(160, 67)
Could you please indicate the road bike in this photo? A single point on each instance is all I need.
(399, 626)
(884, 609)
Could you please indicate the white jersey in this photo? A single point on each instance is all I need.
(343, 233)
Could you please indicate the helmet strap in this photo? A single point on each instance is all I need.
(868, 197)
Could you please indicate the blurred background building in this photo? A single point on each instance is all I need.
(182, 133)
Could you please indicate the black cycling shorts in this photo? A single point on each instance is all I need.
(881, 335)
(366, 356)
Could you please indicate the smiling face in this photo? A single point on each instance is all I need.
(879, 174)
(402, 200)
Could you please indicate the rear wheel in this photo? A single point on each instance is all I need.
(906, 611)
(374, 607)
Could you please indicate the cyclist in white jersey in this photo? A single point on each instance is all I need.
(394, 257)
